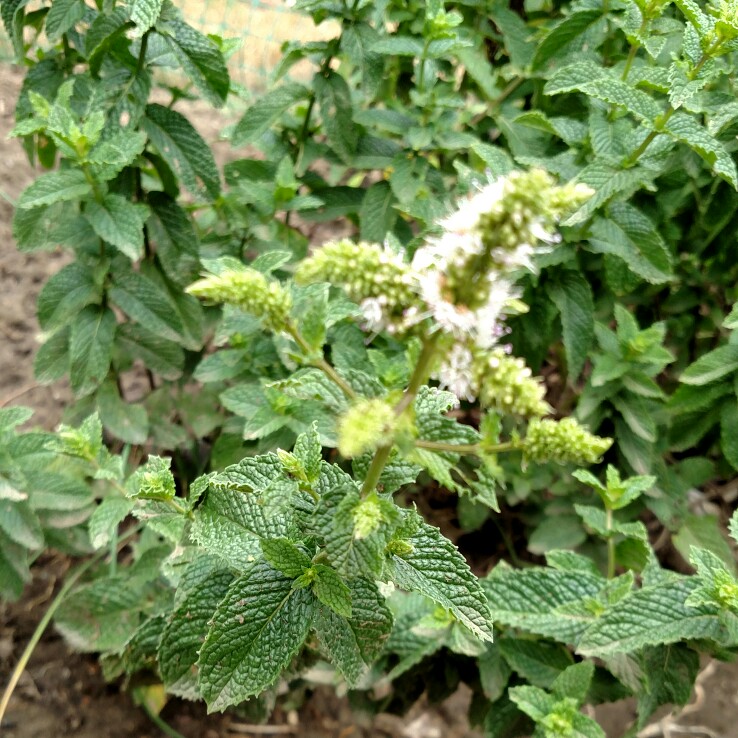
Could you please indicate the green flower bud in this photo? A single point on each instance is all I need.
(505, 384)
(379, 280)
(250, 291)
(366, 425)
(563, 441)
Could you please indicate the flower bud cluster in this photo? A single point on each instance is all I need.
(376, 278)
(365, 426)
(563, 441)
(506, 384)
(249, 290)
(465, 273)
(500, 381)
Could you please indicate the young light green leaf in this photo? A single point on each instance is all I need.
(284, 556)
(331, 590)
(107, 517)
(258, 627)
(68, 184)
(144, 13)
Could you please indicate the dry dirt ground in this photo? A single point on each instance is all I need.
(63, 694)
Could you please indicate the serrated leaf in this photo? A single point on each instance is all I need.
(176, 241)
(356, 42)
(712, 366)
(65, 294)
(538, 662)
(377, 216)
(729, 433)
(162, 356)
(685, 128)
(142, 299)
(652, 616)
(90, 349)
(230, 524)
(599, 82)
(266, 111)
(200, 58)
(537, 600)
(183, 149)
(184, 633)
(114, 153)
(284, 556)
(563, 34)
(332, 591)
(120, 223)
(257, 629)
(69, 184)
(144, 13)
(353, 644)
(125, 420)
(336, 109)
(572, 296)
(104, 521)
(703, 531)
(20, 524)
(436, 569)
(62, 16)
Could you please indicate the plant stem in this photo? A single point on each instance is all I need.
(25, 657)
(417, 380)
(142, 53)
(160, 723)
(470, 449)
(610, 547)
(320, 363)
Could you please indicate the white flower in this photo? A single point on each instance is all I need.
(373, 313)
(455, 374)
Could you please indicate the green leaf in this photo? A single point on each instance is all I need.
(266, 111)
(653, 616)
(336, 109)
(669, 673)
(353, 644)
(356, 42)
(703, 531)
(69, 184)
(144, 13)
(574, 681)
(435, 568)
(542, 601)
(90, 349)
(200, 58)
(685, 128)
(377, 216)
(125, 420)
(19, 523)
(256, 630)
(65, 294)
(729, 433)
(312, 384)
(62, 16)
(120, 223)
(516, 34)
(712, 366)
(284, 556)
(142, 299)
(162, 356)
(114, 153)
(563, 34)
(331, 590)
(177, 246)
(572, 296)
(629, 235)
(183, 635)
(536, 661)
(183, 149)
(104, 29)
(104, 522)
(599, 82)
(230, 524)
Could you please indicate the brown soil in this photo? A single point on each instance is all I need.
(64, 694)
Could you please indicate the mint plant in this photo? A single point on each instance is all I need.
(527, 277)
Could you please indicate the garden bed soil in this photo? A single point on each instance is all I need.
(64, 694)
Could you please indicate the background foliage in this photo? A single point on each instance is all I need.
(630, 320)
